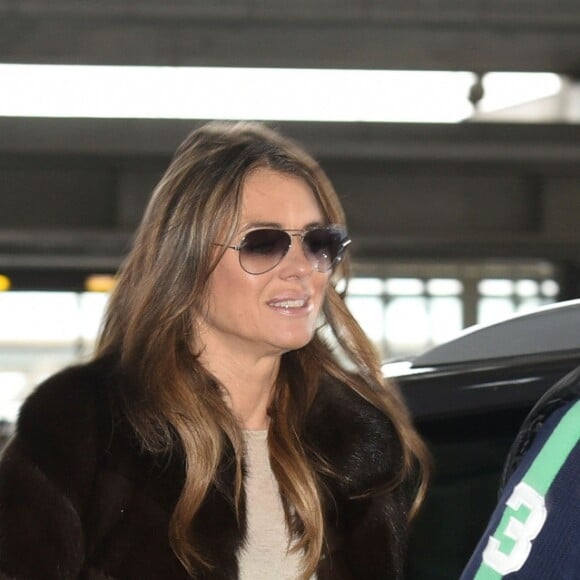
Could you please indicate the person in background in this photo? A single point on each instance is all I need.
(534, 532)
(233, 422)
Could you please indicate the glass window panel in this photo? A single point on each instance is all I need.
(92, 308)
(550, 288)
(444, 287)
(531, 303)
(446, 318)
(491, 310)
(527, 288)
(13, 389)
(368, 312)
(407, 325)
(496, 287)
(368, 286)
(404, 286)
(40, 333)
(39, 316)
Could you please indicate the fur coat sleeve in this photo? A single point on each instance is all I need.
(46, 476)
(365, 520)
(79, 499)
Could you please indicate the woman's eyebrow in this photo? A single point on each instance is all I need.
(254, 225)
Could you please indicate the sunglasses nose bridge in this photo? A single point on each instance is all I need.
(305, 254)
(296, 235)
(303, 243)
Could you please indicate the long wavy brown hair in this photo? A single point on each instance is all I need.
(150, 325)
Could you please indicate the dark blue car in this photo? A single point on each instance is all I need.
(469, 397)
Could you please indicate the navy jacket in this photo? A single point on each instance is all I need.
(534, 532)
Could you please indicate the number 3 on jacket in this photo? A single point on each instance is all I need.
(508, 549)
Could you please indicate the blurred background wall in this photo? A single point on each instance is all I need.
(454, 222)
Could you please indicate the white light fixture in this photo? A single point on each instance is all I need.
(503, 90)
(258, 93)
(233, 93)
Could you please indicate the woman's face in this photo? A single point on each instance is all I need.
(274, 312)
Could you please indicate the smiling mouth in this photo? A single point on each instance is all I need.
(288, 304)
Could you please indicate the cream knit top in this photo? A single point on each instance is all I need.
(265, 553)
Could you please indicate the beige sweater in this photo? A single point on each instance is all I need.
(265, 555)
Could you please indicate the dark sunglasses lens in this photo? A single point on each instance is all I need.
(323, 246)
(262, 250)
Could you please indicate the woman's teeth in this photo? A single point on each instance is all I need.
(289, 304)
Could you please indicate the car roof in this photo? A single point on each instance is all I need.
(552, 328)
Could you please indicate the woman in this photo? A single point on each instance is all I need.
(217, 434)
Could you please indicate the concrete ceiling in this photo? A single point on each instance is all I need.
(480, 35)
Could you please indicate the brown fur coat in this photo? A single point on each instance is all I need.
(79, 500)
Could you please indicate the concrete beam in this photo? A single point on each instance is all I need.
(476, 35)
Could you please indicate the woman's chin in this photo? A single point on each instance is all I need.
(294, 341)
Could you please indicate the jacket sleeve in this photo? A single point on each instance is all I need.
(46, 474)
(378, 536)
(534, 531)
(366, 539)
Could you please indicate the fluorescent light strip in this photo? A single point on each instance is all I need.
(233, 93)
(257, 93)
(503, 90)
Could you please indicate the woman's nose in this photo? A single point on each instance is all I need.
(296, 262)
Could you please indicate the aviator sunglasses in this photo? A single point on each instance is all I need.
(263, 249)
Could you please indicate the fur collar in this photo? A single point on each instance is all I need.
(124, 497)
(356, 439)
